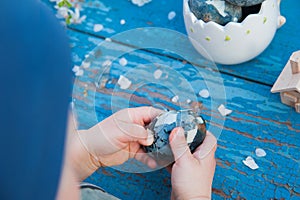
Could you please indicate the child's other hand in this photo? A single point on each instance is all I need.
(112, 141)
(192, 174)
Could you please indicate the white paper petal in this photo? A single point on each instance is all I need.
(224, 111)
(86, 65)
(98, 27)
(140, 2)
(171, 15)
(204, 93)
(260, 152)
(123, 61)
(124, 82)
(106, 63)
(122, 21)
(250, 162)
(157, 74)
(175, 99)
(79, 72)
(75, 68)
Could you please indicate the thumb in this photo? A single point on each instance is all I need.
(179, 145)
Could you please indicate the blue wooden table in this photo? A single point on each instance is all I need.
(258, 118)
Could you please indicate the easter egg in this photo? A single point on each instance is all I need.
(245, 2)
(219, 11)
(194, 129)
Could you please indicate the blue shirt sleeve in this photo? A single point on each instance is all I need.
(35, 88)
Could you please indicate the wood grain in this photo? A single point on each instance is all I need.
(258, 120)
(264, 69)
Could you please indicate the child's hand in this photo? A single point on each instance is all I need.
(112, 141)
(192, 174)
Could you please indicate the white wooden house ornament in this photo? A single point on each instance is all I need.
(288, 82)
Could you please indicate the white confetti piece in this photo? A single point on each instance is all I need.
(124, 82)
(107, 39)
(204, 93)
(140, 2)
(98, 27)
(224, 111)
(171, 15)
(122, 21)
(175, 99)
(96, 84)
(250, 162)
(106, 63)
(157, 74)
(86, 65)
(79, 72)
(188, 101)
(76, 69)
(260, 152)
(123, 61)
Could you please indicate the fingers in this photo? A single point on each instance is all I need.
(143, 115)
(179, 146)
(132, 121)
(134, 132)
(207, 148)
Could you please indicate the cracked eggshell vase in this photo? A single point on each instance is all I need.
(235, 42)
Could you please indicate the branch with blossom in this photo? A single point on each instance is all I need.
(69, 11)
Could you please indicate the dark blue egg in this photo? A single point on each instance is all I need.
(220, 11)
(194, 127)
(245, 2)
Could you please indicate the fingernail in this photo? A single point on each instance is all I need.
(150, 137)
(179, 132)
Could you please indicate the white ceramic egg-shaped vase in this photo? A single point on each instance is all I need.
(235, 42)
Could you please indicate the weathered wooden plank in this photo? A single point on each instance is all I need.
(264, 69)
(258, 120)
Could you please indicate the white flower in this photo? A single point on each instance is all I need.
(79, 73)
(62, 12)
(75, 17)
(69, 12)
(85, 64)
(76, 68)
